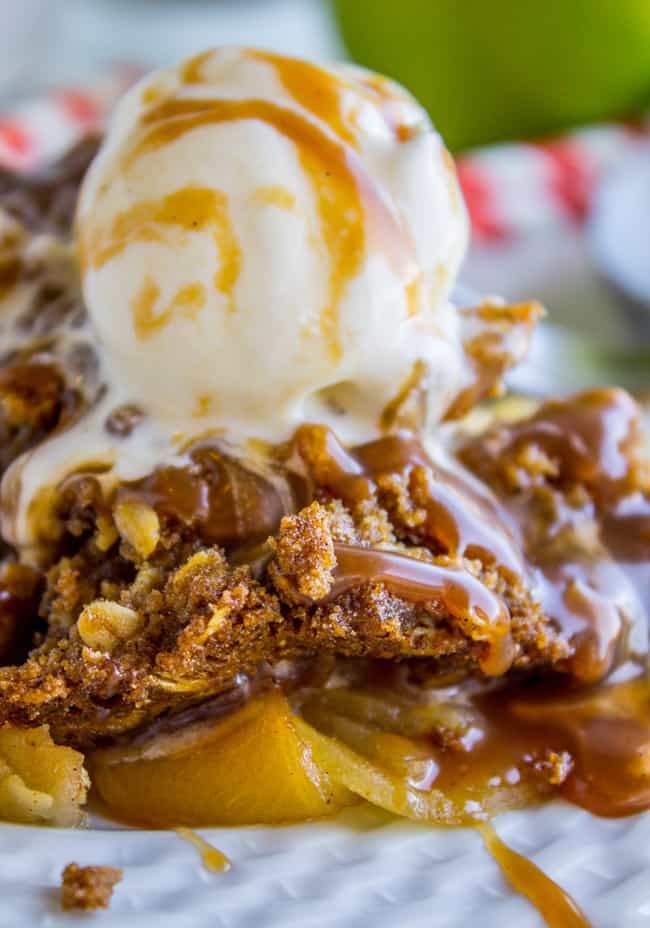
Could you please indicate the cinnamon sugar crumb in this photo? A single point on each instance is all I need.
(305, 553)
(88, 888)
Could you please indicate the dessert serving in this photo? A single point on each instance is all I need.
(270, 545)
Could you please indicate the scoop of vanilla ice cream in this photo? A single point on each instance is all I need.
(263, 242)
(266, 242)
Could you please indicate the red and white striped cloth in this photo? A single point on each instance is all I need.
(38, 130)
(509, 189)
(514, 188)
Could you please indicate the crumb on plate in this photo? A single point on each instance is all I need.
(88, 888)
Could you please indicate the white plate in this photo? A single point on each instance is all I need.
(363, 868)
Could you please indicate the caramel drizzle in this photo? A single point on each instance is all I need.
(211, 857)
(353, 215)
(187, 303)
(325, 161)
(354, 218)
(319, 92)
(591, 442)
(459, 521)
(592, 437)
(313, 88)
(192, 71)
(605, 729)
(464, 597)
(275, 195)
(190, 209)
(556, 906)
(222, 501)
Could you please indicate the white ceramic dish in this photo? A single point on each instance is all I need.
(362, 868)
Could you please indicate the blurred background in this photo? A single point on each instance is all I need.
(546, 105)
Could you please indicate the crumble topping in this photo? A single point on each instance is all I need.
(88, 888)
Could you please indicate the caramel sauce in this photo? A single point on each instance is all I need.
(275, 195)
(626, 527)
(606, 732)
(587, 600)
(591, 438)
(212, 858)
(511, 746)
(190, 209)
(314, 89)
(187, 303)
(353, 215)
(192, 71)
(217, 497)
(20, 590)
(521, 742)
(587, 594)
(320, 92)
(145, 321)
(588, 743)
(459, 520)
(418, 581)
(592, 553)
(555, 906)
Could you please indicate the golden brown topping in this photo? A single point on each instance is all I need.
(88, 888)
(305, 554)
(480, 614)
(427, 503)
(310, 567)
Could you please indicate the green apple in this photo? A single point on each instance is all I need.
(489, 70)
